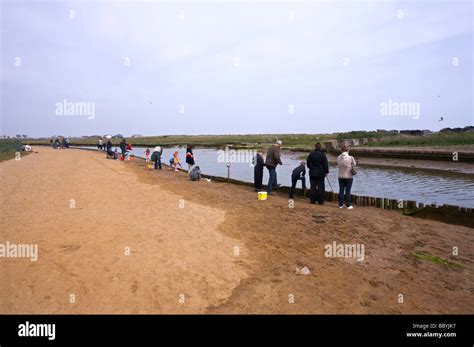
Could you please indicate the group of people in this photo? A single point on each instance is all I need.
(155, 156)
(106, 146)
(194, 172)
(59, 143)
(318, 166)
(316, 162)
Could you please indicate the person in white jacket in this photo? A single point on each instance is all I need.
(346, 165)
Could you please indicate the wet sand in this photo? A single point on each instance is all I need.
(208, 247)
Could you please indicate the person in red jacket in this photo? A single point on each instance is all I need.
(128, 151)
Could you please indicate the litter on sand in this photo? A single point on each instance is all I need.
(303, 271)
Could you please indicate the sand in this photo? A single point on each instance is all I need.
(208, 247)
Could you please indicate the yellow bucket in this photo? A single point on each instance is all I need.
(262, 196)
(150, 166)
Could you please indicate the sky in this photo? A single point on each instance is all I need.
(240, 67)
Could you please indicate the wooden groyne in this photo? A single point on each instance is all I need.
(445, 213)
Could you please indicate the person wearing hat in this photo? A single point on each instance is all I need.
(271, 162)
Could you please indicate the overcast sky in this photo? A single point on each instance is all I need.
(157, 68)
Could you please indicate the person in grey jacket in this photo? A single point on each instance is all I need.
(195, 174)
(346, 164)
(271, 162)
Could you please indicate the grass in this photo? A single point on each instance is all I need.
(8, 148)
(436, 260)
(435, 139)
(294, 142)
(290, 141)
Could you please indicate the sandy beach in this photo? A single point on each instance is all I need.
(122, 238)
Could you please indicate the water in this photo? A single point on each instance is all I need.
(394, 183)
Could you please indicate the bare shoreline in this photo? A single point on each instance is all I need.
(224, 251)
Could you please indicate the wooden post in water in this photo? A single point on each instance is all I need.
(393, 203)
(379, 202)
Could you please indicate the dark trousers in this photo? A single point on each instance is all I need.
(294, 181)
(258, 178)
(345, 185)
(158, 163)
(317, 190)
(272, 180)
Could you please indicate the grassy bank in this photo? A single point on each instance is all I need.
(290, 141)
(435, 139)
(8, 148)
(295, 142)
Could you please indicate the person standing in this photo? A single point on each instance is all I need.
(147, 155)
(259, 164)
(271, 162)
(123, 147)
(190, 158)
(100, 144)
(318, 169)
(298, 174)
(347, 167)
(108, 147)
(156, 157)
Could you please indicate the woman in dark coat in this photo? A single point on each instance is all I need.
(259, 164)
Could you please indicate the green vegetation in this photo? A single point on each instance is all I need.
(436, 260)
(290, 141)
(435, 139)
(295, 142)
(8, 148)
(360, 134)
